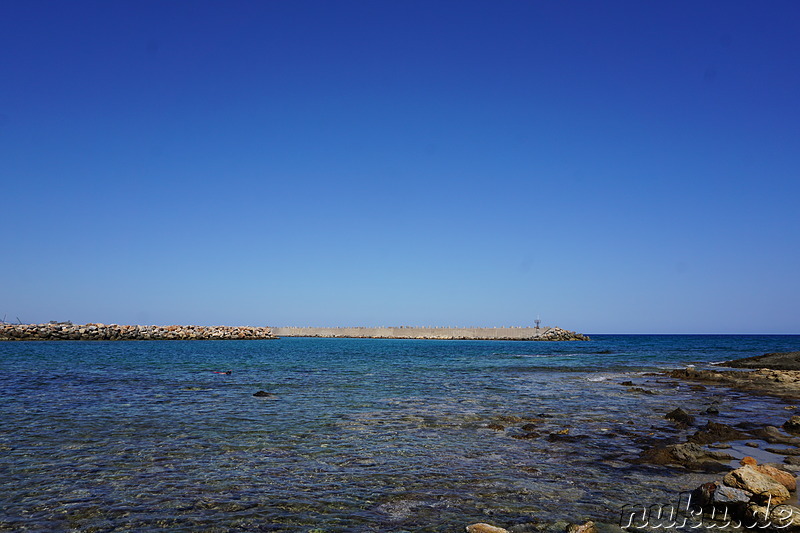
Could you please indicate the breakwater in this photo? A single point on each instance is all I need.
(116, 332)
(516, 334)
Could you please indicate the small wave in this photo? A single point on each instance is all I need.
(606, 376)
(537, 355)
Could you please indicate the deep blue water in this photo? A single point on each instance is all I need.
(362, 435)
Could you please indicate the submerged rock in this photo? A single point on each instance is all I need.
(264, 394)
(588, 527)
(525, 436)
(773, 435)
(784, 518)
(783, 451)
(688, 455)
(482, 527)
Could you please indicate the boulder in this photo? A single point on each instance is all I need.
(716, 432)
(781, 476)
(792, 425)
(680, 416)
(783, 518)
(703, 495)
(761, 486)
(730, 502)
(263, 394)
(731, 496)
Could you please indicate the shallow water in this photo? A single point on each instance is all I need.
(363, 435)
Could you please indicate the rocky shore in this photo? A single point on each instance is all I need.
(116, 332)
(738, 492)
(774, 374)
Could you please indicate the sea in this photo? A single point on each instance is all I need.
(368, 435)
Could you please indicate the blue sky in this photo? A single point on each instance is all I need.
(609, 166)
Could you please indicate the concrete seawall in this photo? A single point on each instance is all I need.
(518, 334)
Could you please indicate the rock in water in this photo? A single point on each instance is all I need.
(715, 432)
(730, 495)
(792, 425)
(588, 527)
(704, 494)
(773, 435)
(263, 394)
(680, 416)
(481, 527)
(763, 487)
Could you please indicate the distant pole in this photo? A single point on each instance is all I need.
(537, 321)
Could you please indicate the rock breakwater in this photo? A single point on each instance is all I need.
(407, 332)
(116, 332)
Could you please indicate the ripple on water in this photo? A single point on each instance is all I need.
(147, 442)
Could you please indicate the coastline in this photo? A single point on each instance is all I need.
(55, 331)
(757, 486)
(773, 374)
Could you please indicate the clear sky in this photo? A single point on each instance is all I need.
(610, 166)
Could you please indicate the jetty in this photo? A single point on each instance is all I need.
(441, 333)
(63, 331)
(55, 331)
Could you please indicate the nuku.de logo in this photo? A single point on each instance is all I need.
(687, 514)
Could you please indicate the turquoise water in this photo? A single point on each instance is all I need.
(362, 435)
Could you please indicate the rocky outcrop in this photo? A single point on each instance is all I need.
(782, 383)
(115, 332)
(774, 361)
